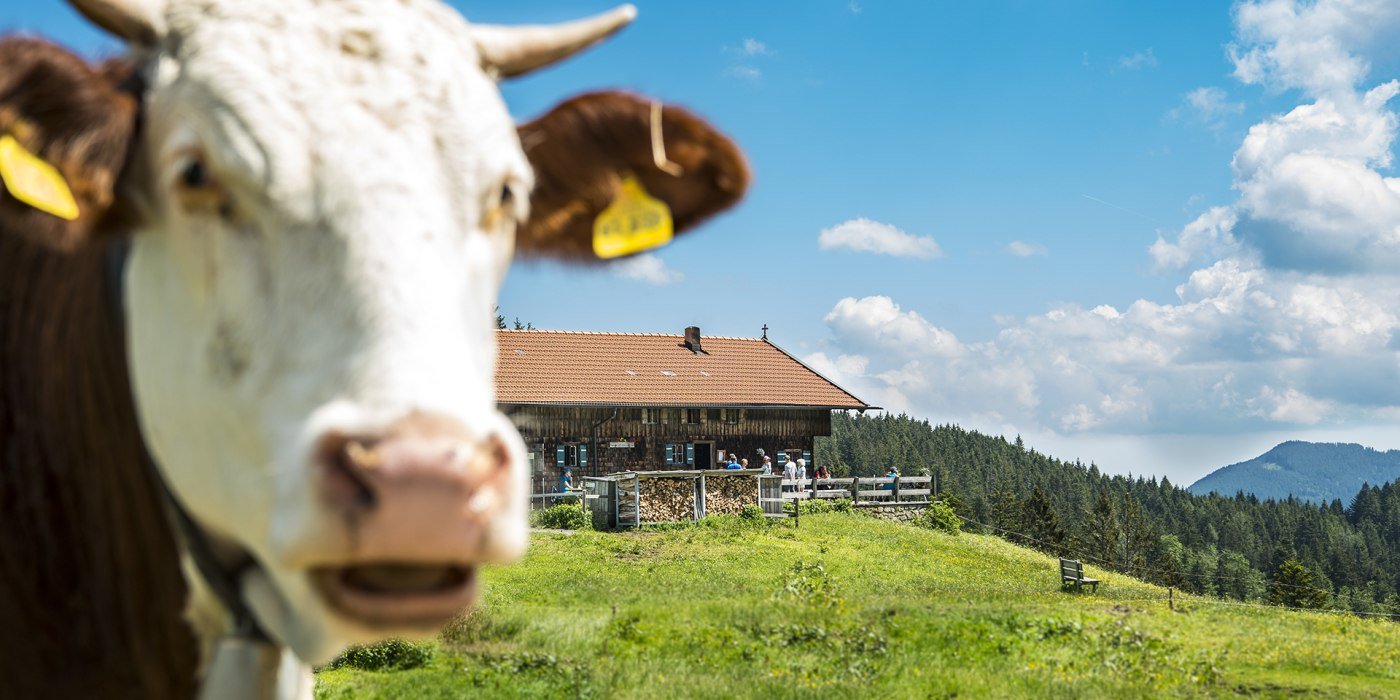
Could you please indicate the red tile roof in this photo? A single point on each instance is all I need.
(645, 369)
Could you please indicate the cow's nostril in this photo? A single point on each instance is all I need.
(492, 460)
(347, 462)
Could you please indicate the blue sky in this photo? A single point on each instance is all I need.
(1160, 236)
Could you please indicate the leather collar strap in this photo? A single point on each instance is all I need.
(221, 578)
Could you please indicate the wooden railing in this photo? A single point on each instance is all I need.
(620, 500)
(864, 492)
(540, 501)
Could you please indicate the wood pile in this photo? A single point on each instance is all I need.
(729, 494)
(663, 499)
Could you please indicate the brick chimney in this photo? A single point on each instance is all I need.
(692, 340)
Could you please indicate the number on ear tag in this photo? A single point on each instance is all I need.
(33, 181)
(634, 222)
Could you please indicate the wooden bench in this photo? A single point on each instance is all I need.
(1072, 571)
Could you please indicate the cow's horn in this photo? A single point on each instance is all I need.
(511, 51)
(136, 21)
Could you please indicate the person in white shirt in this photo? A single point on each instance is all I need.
(789, 472)
(801, 474)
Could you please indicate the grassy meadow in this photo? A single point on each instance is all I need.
(850, 606)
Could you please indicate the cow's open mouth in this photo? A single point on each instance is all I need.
(396, 594)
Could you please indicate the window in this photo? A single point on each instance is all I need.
(712, 415)
(570, 454)
(692, 416)
(680, 453)
(731, 416)
(651, 416)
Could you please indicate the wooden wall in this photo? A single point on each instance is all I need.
(772, 430)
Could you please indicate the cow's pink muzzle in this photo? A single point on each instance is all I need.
(418, 503)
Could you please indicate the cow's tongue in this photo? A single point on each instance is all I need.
(403, 578)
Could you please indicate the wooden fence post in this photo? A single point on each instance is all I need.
(700, 498)
(855, 490)
(896, 487)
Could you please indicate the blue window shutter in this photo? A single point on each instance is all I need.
(559, 458)
(670, 454)
(807, 455)
(782, 456)
(690, 453)
(583, 455)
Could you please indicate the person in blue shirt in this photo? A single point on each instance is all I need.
(733, 462)
(566, 480)
(889, 474)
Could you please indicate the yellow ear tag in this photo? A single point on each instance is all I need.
(33, 181)
(634, 222)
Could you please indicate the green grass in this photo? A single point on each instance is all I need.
(848, 606)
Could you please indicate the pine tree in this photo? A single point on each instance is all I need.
(1006, 514)
(1167, 562)
(1100, 533)
(1293, 586)
(1042, 522)
(1138, 538)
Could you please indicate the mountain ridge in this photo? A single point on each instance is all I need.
(1314, 471)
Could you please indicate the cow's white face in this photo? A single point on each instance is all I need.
(333, 191)
(328, 196)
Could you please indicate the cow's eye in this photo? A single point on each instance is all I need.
(198, 190)
(503, 208)
(195, 175)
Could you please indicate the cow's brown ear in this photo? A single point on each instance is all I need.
(77, 117)
(582, 149)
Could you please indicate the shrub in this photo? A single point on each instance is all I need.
(843, 505)
(388, 655)
(939, 516)
(563, 516)
(751, 512)
(813, 506)
(810, 584)
(478, 627)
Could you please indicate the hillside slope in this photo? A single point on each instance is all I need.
(848, 606)
(1311, 471)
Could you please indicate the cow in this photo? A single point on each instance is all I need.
(247, 412)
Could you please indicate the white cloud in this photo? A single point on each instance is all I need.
(745, 54)
(1207, 105)
(647, 268)
(1314, 46)
(745, 72)
(1212, 102)
(1138, 59)
(866, 236)
(1022, 249)
(1314, 196)
(1286, 322)
(1242, 348)
(854, 7)
(1208, 236)
(753, 47)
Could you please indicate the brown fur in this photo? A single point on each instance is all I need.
(80, 118)
(582, 147)
(90, 587)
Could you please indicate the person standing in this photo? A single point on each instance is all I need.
(801, 475)
(789, 472)
(767, 465)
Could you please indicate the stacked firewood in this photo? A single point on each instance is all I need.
(729, 494)
(667, 500)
